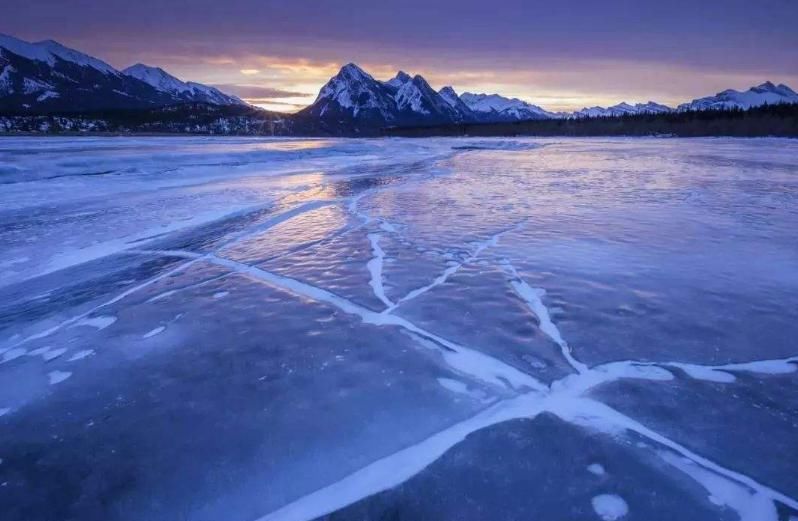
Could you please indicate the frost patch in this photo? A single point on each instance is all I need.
(610, 507)
(58, 376)
(596, 469)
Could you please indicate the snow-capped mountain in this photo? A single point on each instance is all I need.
(49, 77)
(46, 77)
(766, 93)
(353, 101)
(352, 96)
(180, 90)
(622, 109)
(493, 107)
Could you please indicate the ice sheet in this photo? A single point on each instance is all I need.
(285, 329)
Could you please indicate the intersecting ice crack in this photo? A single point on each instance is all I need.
(566, 398)
(493, 240)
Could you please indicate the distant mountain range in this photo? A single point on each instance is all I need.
(354, 100)
(47, 77)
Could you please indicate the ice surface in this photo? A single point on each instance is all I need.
(276, 329)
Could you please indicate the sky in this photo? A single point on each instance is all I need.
(562, 55)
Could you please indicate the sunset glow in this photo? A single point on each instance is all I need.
(564, 57)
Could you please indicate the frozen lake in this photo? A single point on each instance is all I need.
(260, 330)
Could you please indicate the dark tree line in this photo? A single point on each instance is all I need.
(186, 118)
(199, 118)
(767, 120)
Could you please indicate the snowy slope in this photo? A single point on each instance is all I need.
(76, 57)
(48, 76)
(186, 91)
(498, 108)
(25, 49)
(156, 77)
(766, 93)
(451, 97)
(49, 51)
(415, 95)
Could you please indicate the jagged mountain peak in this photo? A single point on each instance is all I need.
(780, 89)
(768, 85)
(417, 95)
(448, 92)
(400, 79)
(351, 71)
(142, 67)
(353, 93)
(421, 82)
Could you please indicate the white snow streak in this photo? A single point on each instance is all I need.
(157, 331)
(375, 268)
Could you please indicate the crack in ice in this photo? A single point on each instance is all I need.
(493, 240)
(564, 398)
(76, 319)
(463, 359)
(375, 268)
(534, 300)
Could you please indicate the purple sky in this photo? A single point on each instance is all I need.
(559, 54)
